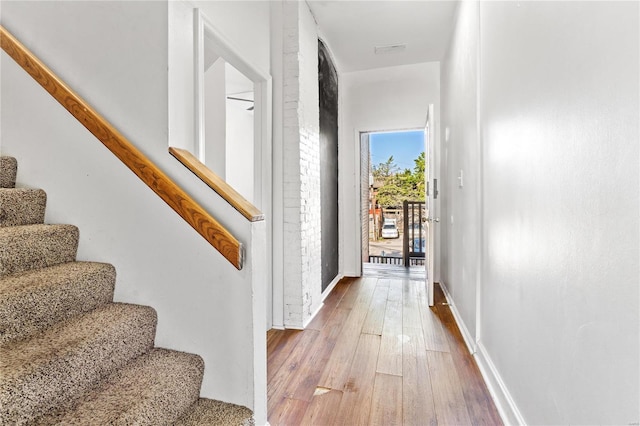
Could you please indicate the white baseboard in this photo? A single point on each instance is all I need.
(468, 338)
(313, 315)
(293, 327)
(324, 295)
(501, 397)
(499, 393)
(327, 291)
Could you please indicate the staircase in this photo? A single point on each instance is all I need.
(68, 353)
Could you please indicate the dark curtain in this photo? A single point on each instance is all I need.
(328, 84)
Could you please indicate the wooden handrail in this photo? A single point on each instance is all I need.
(218, 184)
(135, 160)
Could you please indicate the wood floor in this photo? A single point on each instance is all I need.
(376, 354)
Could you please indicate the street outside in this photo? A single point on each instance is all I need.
(386, 247)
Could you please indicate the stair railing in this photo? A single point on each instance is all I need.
(219, 185)
(194, 214)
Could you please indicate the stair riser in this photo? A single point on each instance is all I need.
(37, 246)
(212, 412)
(35, 300)
(152, 390)
(22, 206)
(54, 375)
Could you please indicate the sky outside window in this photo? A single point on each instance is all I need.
(404, 146)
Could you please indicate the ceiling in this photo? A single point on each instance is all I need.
(352, 29)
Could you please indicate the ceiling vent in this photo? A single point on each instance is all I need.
(391, 48)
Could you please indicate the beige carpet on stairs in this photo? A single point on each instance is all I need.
(69, 355)
(211, 412)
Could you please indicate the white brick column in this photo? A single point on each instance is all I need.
(301, 174)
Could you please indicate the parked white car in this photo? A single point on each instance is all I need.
(390, 230)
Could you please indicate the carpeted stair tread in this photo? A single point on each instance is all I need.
(56, 366)
(8, 170)
(36, 246)
(32, 300)
(212, 412)
(22, 206)
(154, 389)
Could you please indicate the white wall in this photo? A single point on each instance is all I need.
(245, 24)
(460, 222)
(393, 98)
(160, 260)
(215, 118)
(557, 315)
(277, 72)
(239, 170)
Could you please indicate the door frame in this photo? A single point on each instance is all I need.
(359, 136)
(431, 197)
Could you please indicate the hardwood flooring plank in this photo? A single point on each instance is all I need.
(304, 385)
(477, 397)
(417, 397)
(395, 290)
(330, 304)
(411, 311)
(273, 337)
(386, 402)
(390, 359)
(448, 323)
(383, 282)
(288, 412)
(436, 332)
(289, 372)
(450, 405)
(354, 291)
(323, 408)
(355, 405)
(438, 294)
(375, 317)
(336, 371)
(422, 289)
(282, 344)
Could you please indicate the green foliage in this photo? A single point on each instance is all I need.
(399, 186)
(383, 171)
